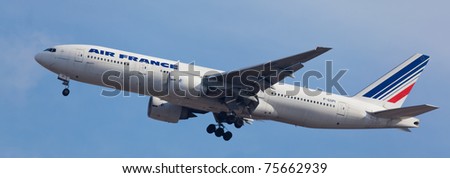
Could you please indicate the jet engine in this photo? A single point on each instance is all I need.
(164, 111)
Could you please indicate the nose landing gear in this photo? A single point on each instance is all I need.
(65, 80)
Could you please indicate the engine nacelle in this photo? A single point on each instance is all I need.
(164, 111)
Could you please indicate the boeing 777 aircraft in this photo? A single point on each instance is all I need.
(179, 90)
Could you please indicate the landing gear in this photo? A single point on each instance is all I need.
(230, 119)
(219, 131)
(219, 128)
(65, 80)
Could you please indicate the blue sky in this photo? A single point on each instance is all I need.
(368, 39)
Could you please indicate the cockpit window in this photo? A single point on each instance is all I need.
(50, 50)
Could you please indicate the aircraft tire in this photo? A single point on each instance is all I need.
(65, 92)
(219, 132)
(227, 136)
(211, 128)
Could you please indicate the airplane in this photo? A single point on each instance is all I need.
(179, 91)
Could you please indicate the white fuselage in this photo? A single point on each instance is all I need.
(324, 110)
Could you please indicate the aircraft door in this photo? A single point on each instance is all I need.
(78, 63)
(79, 55)
(341, 109)
(341, 113)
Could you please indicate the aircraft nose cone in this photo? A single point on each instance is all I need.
(42, 59)
(39, 58)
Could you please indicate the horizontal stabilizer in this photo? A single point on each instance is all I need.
(406, 112)
(405, 129)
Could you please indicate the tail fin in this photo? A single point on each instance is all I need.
(391, 90)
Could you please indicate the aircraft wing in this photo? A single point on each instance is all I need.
(263, 76)
(238, 89)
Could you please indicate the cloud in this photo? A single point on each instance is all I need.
(19, 73)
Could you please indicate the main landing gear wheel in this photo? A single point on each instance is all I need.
(219, 131)
(230, 120)
(239, 123)
(211, 128)
(227, 136)
(223, 118)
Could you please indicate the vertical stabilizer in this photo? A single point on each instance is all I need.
(391, 90)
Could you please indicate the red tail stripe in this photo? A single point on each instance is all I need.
(402, 94)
